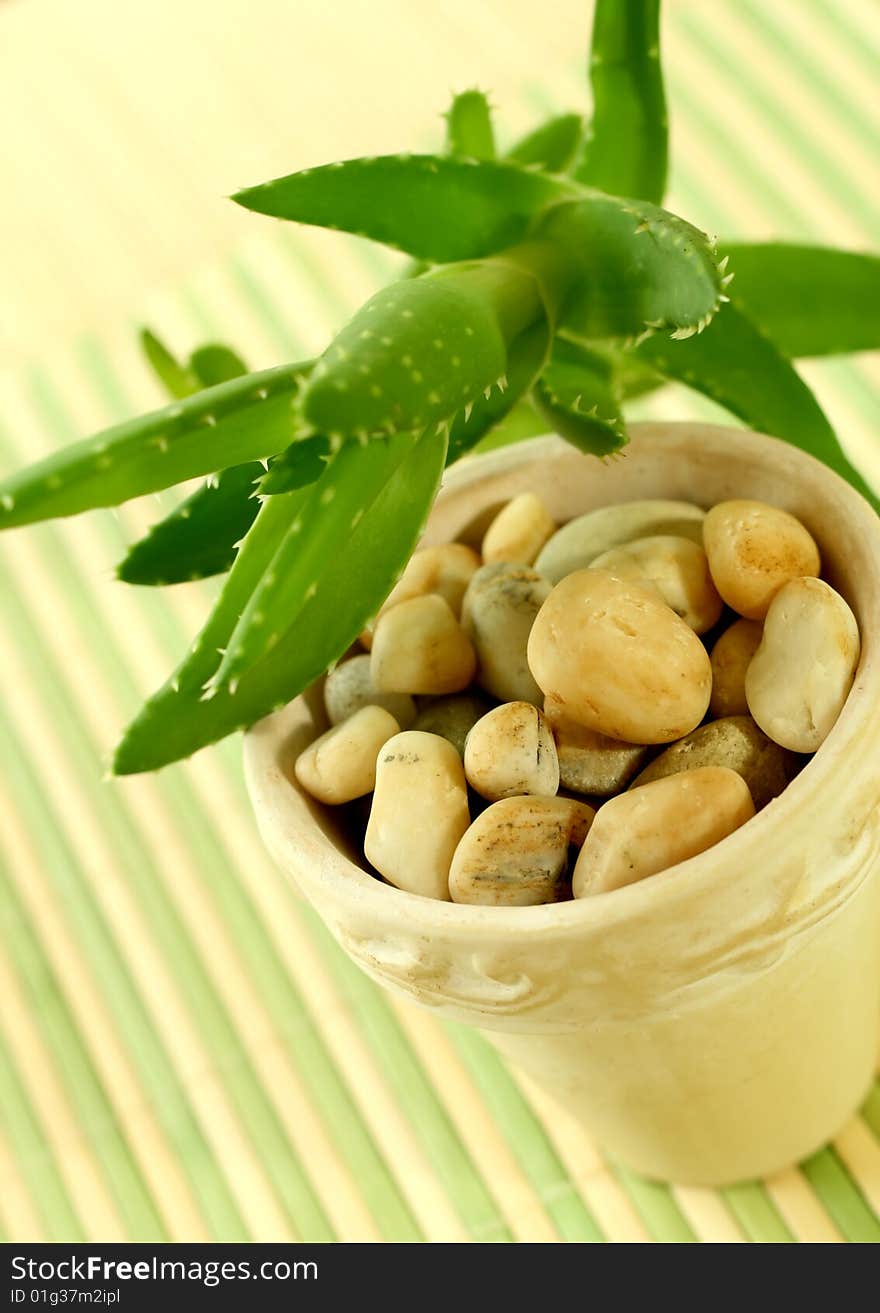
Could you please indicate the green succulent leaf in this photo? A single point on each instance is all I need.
(178, 380)
(552, 146)
(634, 268)
(626, 148)
(469, 127)
(811, 300)
(526, 358)
(735, 365)
(356, 579)
(434, 207)
(245, 419)
(576, 396)
(421, 350)
(335, 505)
(199, 537)
(214, 363)
(300, 464)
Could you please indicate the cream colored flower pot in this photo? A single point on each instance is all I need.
(719, 1020)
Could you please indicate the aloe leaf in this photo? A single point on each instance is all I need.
(811, 300)
(421, 350)
(198, 538)
(634, 268)
(336, 504)
(178, 380)
(245, 419)
(434, 207)
(526, 358)
(299, 465)
(742, 370)
(356, 579)
(215, 363)
(469, 127)
(626, 147)
(552, 146)
(576, 396)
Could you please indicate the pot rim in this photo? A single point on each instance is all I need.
(277, 799)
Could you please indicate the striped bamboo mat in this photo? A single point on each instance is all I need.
(184, 1052)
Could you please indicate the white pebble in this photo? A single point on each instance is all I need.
(419, 813)
(510, 751)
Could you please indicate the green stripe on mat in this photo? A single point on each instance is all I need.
(757, 1214)
(526, 1137)
(809, 69)
(657, 1208)
(74, 1067)
(100, 948)
(415, 1094)
(266, 1133)
(288, 341)
(29, 1145)
(841, 1197)
(785, 126)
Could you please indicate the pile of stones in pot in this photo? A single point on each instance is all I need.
(576, 709)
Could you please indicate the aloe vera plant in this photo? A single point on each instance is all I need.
(547, 286)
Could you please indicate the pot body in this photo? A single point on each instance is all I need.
(715, 1022)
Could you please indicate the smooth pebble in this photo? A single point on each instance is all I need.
(801, 675)
(589, 762)
(498, 612)
(348, 687)
(735, 742)
(609, 655)
(419, 813)
(446, 569)
(453, 717)
(341, 764)
(577, 544)
(730, 660)
(516, 852)
(511, 751)
(419, 647)
(654, 827)
(753, 549)
(519, 531)
(679, 570)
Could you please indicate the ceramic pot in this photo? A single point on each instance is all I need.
(719, 1020)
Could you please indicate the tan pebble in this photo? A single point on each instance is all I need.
(754, 549)
(658, 825)
(679, 570)
(348, 687)
(589, 762)
(609, 655)
(730, 660)
(577, 544)
(498, 611)
(510, 751)
(419, 813)
(516, 852)
(519, 531)
(735, 742)
(453, 717)
(801, 675)
(419, 647)
(341, 764)
(446, 569)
